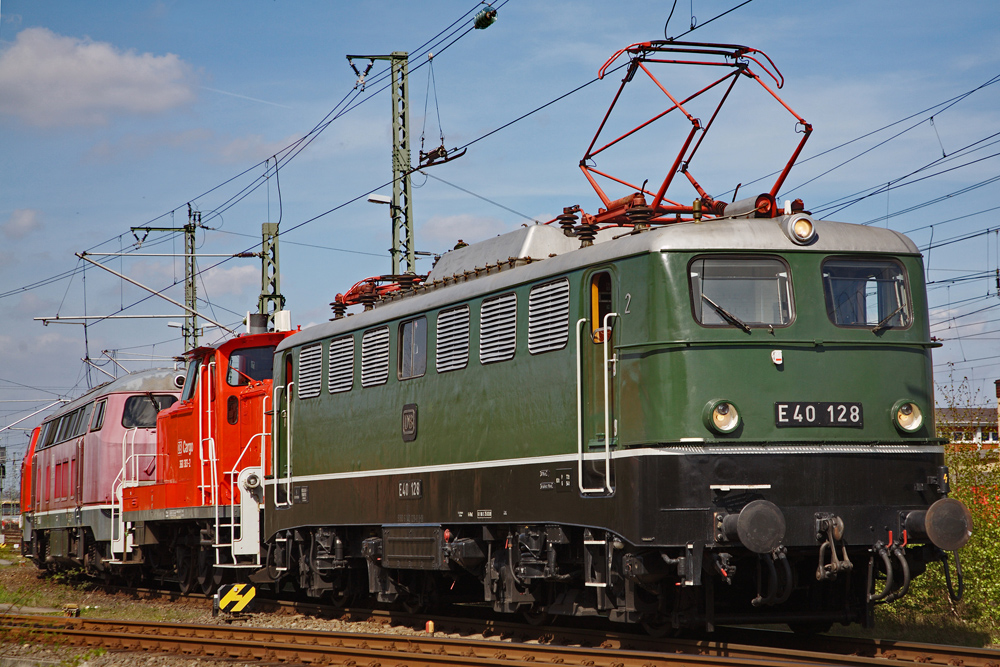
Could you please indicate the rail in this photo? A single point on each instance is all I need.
(276, 645)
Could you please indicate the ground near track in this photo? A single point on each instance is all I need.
(21, 586)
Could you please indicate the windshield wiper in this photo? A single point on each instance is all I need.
(881, 325)
(726, 315)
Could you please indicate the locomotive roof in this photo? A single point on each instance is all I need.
(156, 379)
(536, 252)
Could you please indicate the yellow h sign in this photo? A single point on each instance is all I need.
(234, 599)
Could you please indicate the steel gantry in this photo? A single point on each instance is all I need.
(403, 248)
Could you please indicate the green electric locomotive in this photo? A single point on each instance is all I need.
(686, 425)
(676, 415)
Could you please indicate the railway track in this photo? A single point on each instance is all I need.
(286, 646)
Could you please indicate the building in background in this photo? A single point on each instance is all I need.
(973, 426)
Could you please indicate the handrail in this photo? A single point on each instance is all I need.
(213, 456)
(288, 443)
(118, 494)
(201, 430)
(275, 417)
(234, 474)
(263, 430)
(607, 403)
(275, 433)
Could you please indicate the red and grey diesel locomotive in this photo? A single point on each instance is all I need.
(72, 475)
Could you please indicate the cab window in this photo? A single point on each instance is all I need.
(741, 291)
(252, 364)
(140, 410)
(866, 293)
(600, 304)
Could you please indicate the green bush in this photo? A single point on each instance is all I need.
(975, 481)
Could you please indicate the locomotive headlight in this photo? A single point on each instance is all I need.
(722, 416)
(907, 416)
(800, 229)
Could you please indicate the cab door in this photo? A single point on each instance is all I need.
(597, 363)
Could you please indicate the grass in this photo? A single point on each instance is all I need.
(927, 628)
(22, 584)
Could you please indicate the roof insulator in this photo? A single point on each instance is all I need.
(639, 216)
(568, 219)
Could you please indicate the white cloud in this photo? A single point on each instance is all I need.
(21, 223)
(235, 281)
(41, 347)
(52, 80)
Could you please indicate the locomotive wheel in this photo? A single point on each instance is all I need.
(537, 616)
(186, 570)
(417, 595)
(658, 625)
(206, 572)
(414, 604)
(342, 596)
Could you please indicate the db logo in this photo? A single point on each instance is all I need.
(409, 422)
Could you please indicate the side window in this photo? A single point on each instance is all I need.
(310, 371)
(600, 304)
(64, 425)
(375, 357)
(341, 374)
(191, 379)
(412, 357)
(548, 317)
(81, 425)
(498, 328)
(98, 421)
(452, 339)
(866, 293)
(232, 409)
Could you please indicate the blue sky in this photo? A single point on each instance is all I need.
(118, 114)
